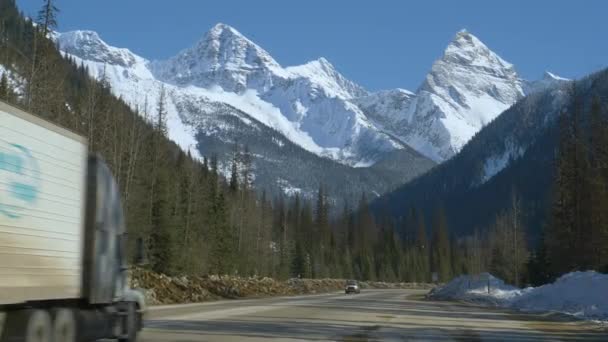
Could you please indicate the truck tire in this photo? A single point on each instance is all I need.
(131, 324)
(65, 327)
(38, 327)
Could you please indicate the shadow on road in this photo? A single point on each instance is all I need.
(375, 317)
(367, 331)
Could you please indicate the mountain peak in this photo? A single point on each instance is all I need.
(466, 89)
(79, 38)
(467, 49)
(221, 29)
(223, 57)
(88, 45)
(321, 72)
(321, 63)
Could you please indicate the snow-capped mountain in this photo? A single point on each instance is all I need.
(389, 109)
(224, 58)
(465, 89)
(323, 74)
(88, 46)
(226, 90)
(226, 77)
(307, 103)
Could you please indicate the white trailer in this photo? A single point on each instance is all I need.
(62, 238)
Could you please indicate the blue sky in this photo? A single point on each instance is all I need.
(380, 44)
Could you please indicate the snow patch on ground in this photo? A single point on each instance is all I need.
(581, 294)
(364, 163)
(288, 189)
(278, 142)
(496, 163)
(15, 81)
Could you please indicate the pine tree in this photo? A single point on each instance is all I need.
(161, 112)
(598, 186)
(4, 89)
(517, 242)
(440, 256)
(422, 250)
(161, 239)
(221, 259)
(159, 212)
(538, 266)
(47, 16)
(321, 233)
(247, 169)
(298, 263)
(568, 233)
(234, 175)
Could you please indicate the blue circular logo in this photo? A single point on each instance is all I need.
(19, 179)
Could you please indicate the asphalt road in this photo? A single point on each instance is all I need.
(373, 315)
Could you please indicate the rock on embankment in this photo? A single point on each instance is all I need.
(163, 289)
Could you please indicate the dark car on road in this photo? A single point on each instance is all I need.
(352, 287)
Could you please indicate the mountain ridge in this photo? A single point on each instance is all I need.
(312, 105)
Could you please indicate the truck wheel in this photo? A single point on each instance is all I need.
(64, 326)
(38, 327)
(130, 325)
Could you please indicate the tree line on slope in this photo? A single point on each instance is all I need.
(576, 236)
(196, 221)
(192, 219)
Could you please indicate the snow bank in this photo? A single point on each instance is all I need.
(475, 289)
(581, 294)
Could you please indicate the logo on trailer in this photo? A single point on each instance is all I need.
(19, 179)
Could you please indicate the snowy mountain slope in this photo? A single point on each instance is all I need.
(311, 113)
(224, 58)
(88, 46)
(549, 80)
(514, 151)
(322, 73)
(465, 89)
(308, 103)
(312, 105)
(129, 77)
(389, 109)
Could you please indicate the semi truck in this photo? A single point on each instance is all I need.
(63, 263)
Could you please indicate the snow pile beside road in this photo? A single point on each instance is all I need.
(475, 289)
(581, 294)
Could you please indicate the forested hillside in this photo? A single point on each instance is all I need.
(524, 199)
(192, 219)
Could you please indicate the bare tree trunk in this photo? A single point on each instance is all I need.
(30, 85)
(515, 208)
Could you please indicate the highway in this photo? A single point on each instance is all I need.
(373, 315)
